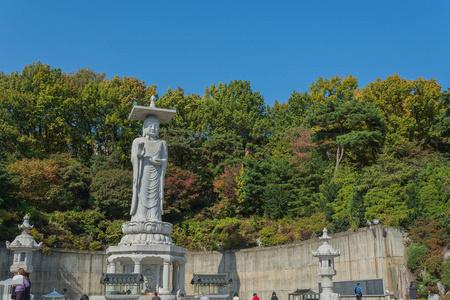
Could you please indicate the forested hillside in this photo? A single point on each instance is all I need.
(240, 173)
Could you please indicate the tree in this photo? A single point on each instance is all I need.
(113, 130)
(59, 181)
(234, 107)
(254, 178)
(416, 254)
(225, 186)
(329, 90)
(290, 114)
(410, 107)
(307, 167)
(442, 127)
(31, 106)
(182, 194)
(347, 123)
(111, 191)
(187, 109)
(387, 187)
(276, 201)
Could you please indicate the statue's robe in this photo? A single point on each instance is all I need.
(148, 180)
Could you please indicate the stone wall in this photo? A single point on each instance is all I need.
(367, 254)
(77, 270)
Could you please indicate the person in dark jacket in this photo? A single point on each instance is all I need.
(413, 291)
(84, 297)
(28, 288)
(156, 297)
(274, 296)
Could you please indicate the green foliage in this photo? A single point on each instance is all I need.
(276, 201)
(290, 114)
(255, 179)
(446, 274)
(428, 279)
(416, 254)
(72, 229)
(268, 233)
(387, 188)
(6, 187)
(434, 266)
(59, 181)
(111, 191)
(347, 125)
(226, 188)
(329, 90)
(348, 203)
(410, 107)
(234, 234)
(239, 171)
(234, 107)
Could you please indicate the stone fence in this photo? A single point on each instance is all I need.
(370, 253)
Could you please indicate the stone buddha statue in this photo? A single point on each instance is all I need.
(149, 159)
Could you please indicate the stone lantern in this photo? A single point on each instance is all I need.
(23, 247)
(326, 255)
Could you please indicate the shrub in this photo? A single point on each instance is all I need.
(267, 234)
(416, 253)
(446, 274)
(434, 266)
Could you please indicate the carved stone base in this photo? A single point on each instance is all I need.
(148, 226)
(168, 296)
(330, 296)
(146, 232)
(145, 239)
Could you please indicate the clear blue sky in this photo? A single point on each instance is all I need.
(279, 46)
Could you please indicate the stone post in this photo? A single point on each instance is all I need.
(137, 265)
(182, 279)
(175, 276)
(166, 277)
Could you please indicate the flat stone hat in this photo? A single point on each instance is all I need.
(143, 112)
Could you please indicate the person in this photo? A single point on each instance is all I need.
(155, 296)
(204, 297)
(20, 288)
(255, 297)
(181, 296)
(413, 291)
(84, 297)
(274, 296)
(358, 291)
(64, 292)
(236, 297)
(149, 159)
(28, 288)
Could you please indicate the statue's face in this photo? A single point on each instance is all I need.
(151, 127)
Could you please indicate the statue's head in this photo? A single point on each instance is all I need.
(151, 127)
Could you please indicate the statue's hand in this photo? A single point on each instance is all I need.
(155, 161)
(140, 150)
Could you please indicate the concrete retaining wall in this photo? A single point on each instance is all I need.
(367, 254)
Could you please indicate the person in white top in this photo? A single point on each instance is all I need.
(204, 297)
